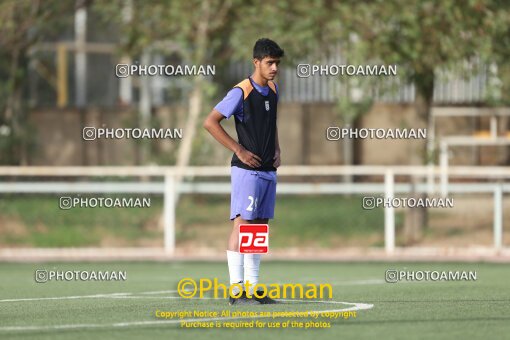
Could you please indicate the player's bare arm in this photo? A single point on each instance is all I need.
(213, 124)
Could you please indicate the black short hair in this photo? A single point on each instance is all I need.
(267, 48)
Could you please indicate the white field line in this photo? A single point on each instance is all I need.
(157, 292)
(95, 296)
(66, 297)
(113, 295)
(360, 282)
(366, 282)
(354, 306)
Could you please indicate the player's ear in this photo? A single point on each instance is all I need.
(256, 62)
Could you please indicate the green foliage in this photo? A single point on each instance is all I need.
(305, 29)
(350, 110)
(420, 34)
(22, 24)
(424, 36)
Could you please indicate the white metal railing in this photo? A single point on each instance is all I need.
(170, 187)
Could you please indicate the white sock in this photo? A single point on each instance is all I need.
(235, 268)
(251, 269)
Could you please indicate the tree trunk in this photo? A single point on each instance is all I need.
(196, 96)
(504, 75)
(416, 219)
(186, 148)
(13, 114)
(144, 109)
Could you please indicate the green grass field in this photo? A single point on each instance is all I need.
(126, 309)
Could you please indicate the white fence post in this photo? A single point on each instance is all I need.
(498, 217)
(169, 213)
(389, 213)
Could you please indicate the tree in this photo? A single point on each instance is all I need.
(191, 30)
(499, 58)
(22, 24)
(421, 37)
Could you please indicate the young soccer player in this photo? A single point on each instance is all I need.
(252, 103)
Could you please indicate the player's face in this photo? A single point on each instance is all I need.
(267, 67)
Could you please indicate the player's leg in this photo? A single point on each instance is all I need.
(233, 241)
(241, 212)
(234, 257)
(252, 262)
(240, 265)
(265, 208)
(251, 272)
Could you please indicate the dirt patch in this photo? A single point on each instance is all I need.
(13, 226)
(41, 228)
(155, 223)
(112, 241)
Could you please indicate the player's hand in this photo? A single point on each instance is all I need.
(277, 160)
(248, 158)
